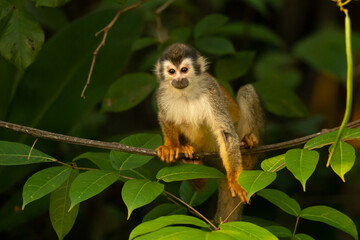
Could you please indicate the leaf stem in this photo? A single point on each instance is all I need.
(296, 225)
(192, 209)
(349, 83)
(227, 218)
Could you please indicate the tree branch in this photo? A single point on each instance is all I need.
(150, 152)
(106, 30)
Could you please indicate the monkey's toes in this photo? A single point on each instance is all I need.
(236, 189)
(188, 151)
(167, 154)
(249, 141)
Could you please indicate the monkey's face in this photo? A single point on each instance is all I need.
(179, 75)
(180, 66)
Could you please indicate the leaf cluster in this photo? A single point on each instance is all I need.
(45, 61)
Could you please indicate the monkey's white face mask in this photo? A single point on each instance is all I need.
(179, 76)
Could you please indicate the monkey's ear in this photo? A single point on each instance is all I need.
(203, 64)
(157, 70)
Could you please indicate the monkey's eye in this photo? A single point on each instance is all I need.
(172, 71)
(184, 69)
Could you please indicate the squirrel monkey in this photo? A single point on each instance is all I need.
(196, 114)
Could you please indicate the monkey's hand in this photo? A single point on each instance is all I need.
(249, 141)
(170, 154)
(235, 187)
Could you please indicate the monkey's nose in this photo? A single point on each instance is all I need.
(180, 83)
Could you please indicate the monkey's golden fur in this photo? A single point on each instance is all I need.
(196, 114)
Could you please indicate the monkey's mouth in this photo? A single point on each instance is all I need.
(180, 84)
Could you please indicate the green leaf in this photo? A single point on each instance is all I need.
(302, 236)
(281, 200)
(314, 50)
(209, 24)
(251, 31)
(21, 39)
(11, 219)
(124, 161)
(5, 9)
(187, 171)
(274, 164)
(18, 154)
(245, 230)
(280, 100)
(279, 231)
(89, 184)
(301, 163)
(329, 138)
(180, 35)
(161, 222)
(343, 159)
(215, 45)
(166, 209)
(65, 75)
(195, 198)
(255, 180)
(234, 66)
(100, 159)
(223, 235)
(331, 217)
(63, 220)
(139, 192)
(278, 68)
(50, 3)
(258, 221)
(9, 80)
(44, 182)
(52, 19)
(128, 91)
(259, 5)
(143, 43)
(175, 233)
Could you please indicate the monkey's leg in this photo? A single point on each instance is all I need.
(230, 155)
(169, 152)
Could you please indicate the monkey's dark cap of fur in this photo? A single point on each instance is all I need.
(177, 52)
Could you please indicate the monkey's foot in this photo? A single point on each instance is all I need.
(236, 189)
(169, 154)
(249, 141)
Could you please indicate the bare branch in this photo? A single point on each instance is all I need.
(192, 209)
(162, 34)
(149, 152)
(106, 30)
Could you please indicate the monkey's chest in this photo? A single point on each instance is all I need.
(189, 111)
(193, 117)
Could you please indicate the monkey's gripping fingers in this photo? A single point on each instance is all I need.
(249, 141)
(187, 150)
(167, 154)
(236, 189)
(170, 154)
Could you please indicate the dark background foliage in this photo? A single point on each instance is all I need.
(292, 50)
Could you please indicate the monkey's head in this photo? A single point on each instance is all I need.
(180, 65)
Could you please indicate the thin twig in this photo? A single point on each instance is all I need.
(31, 149)
(192, 209)
(106, 30)
(150, 152)
(161, 32)
(231, 213)
(341, 4)
(164, 6)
